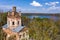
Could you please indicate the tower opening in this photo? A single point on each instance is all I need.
(12, 23)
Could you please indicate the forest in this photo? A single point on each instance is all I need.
(39, 28)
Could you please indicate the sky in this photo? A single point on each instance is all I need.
(31, 6)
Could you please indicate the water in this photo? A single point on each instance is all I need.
(44, 16)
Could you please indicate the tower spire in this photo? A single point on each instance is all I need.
(13, 11)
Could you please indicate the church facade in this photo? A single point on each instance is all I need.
(14, 27)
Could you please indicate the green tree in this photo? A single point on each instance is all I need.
(42, 29)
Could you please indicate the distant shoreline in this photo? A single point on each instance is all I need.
(43, 14)
(38, 14)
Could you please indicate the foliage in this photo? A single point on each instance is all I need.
(25, 20)
(2, 22)
(42, 29)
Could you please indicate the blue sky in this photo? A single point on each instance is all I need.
(31, 6)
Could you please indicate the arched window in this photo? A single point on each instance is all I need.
(23, 34)
(18, 22)
(12, 23)
(19, 36)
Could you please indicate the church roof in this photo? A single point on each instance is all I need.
(4, 26)
(17, 29)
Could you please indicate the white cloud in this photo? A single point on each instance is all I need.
(52, 3)
(8, 6)
(34, 3)
(53, 8)
(5, 6)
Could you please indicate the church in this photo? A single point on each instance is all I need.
(14, 27)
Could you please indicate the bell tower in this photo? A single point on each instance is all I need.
(14, 9)
(13, 19)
